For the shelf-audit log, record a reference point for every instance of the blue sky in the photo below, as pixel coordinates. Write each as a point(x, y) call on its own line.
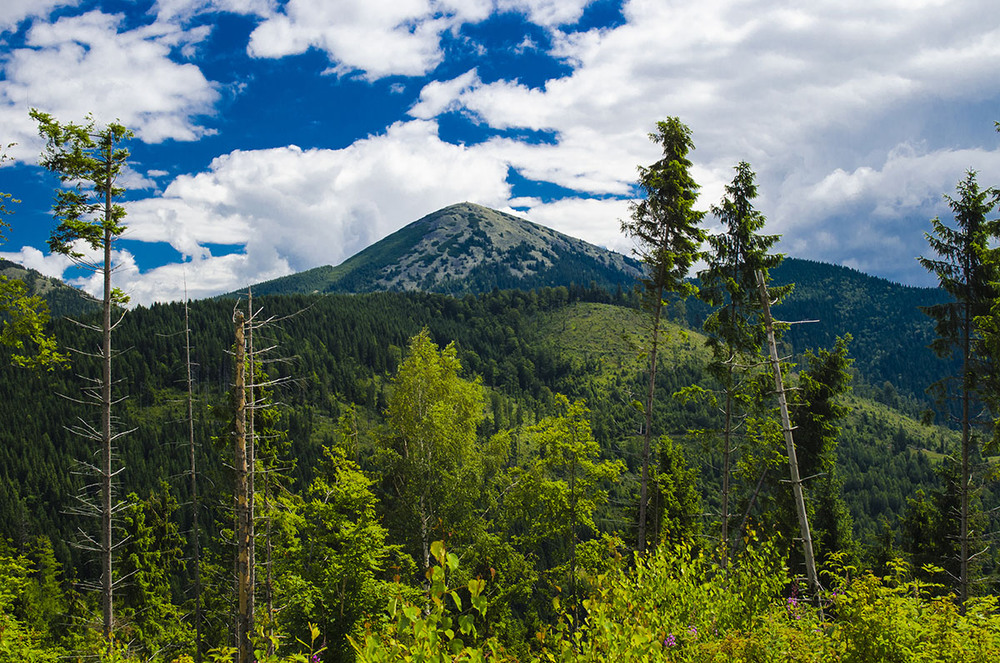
point(272, 137)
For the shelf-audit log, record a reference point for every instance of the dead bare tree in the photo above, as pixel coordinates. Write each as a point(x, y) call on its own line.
point(786, 425)
point(252, 397)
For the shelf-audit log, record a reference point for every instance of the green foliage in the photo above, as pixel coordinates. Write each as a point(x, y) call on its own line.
point(24, 316)
point(664, 222)
point(443, 630)
point(19, 642)
point(987, 329)
point(24, 319)
point(43, 602)
point(679, 513)
point(666, 228)
point(351, 347)
point(677, 604)
point(966, 268)
point(729, 283)
point(567, 477)
point(885, 314)
point(152, 556)
point(737, 258)
point(963, 265)
point(87, 161)
point(330, 565)
point(551, 501)
point(897, 619)
point(432, 420)
point(818, 410)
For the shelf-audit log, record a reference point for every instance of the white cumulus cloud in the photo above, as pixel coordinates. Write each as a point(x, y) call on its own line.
point(818, 97)
point(91, 64)
point(377, 38)
point(12, 12)
point(289, 209)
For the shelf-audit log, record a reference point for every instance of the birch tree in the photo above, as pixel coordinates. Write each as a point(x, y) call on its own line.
point(433, 415)
point(24, 316)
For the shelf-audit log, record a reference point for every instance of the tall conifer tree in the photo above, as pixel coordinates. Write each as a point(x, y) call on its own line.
point(966, 269)
point(734, 329)
point(88, 161)
point(666, 228)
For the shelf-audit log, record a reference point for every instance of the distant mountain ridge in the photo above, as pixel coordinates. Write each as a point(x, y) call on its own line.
point(62, 299)
point(890, 333)
point(466, 248)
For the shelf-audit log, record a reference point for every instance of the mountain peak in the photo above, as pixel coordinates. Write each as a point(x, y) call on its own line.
point(463, 248)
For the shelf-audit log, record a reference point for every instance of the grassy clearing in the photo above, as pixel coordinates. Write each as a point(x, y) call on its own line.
point(613, 336)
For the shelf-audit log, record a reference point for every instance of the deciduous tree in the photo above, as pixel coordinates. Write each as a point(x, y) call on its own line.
point(24, 315)
point(565, 483)
point(432, 420)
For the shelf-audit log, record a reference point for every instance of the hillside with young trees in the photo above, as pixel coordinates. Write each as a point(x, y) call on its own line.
point(343, 353)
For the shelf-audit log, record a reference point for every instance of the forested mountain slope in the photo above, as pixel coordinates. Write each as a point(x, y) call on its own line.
point(62, 299)
point(890, 333)
point(467, 248)
point(525, 347)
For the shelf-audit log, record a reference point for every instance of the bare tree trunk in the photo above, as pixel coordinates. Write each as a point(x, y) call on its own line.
point(425, 535)
point(251, 463)
point(572, 537)
point(244, 618)
point(727, 449)
point(963, 577)
point(268, 561)
point(107, 546)
point(647, 433)
point(193, 476)
point(786, 425)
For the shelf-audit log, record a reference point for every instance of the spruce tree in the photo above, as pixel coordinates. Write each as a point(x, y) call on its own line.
point(966, 268)
point(88, 161)
point(665, 226)
point(734, 329)
point(818, 412)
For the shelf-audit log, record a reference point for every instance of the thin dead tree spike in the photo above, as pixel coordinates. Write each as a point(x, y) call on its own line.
point(244, 588)
point(193, 478)
point(251, 451)
point(787, 428)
